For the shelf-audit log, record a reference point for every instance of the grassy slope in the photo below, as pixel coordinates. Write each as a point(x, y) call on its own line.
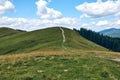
point(31, 41)
point(45, 39)
point(74, 40)
point(81, 64)
point(8, 32)
point(74, 66)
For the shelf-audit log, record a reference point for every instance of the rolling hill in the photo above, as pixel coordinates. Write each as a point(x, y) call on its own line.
point(5, 32)
point(113, 32)
point(14, 41)
point(54, 54)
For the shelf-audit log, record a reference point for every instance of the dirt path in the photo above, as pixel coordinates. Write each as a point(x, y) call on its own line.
point(115, 59)
point(63, 35)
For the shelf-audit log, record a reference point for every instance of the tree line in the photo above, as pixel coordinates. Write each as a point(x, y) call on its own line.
point(110, 43)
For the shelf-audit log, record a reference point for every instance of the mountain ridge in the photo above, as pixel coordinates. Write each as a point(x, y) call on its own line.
point(112, 32)
point(45, 39)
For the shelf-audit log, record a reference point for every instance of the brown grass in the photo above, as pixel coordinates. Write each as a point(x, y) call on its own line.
point(31, 54)
point(107, 53)
point(46, 53)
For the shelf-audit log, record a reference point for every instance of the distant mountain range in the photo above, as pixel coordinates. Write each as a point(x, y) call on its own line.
point(112, 32)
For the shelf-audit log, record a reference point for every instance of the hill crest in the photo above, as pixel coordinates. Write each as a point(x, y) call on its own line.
point(46, 40)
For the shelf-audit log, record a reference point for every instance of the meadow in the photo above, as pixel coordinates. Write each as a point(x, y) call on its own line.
point(74, 65)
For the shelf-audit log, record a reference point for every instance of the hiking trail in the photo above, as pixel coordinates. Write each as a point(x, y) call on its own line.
point(63, 35)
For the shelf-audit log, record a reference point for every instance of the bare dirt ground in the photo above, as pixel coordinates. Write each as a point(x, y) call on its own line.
point(63, 35)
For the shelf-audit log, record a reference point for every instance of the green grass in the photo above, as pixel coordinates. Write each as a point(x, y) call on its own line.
point(74, 40)
point(8, 32)
point(51, 59)
point(78, 66)
point(48, 39)
point(45, 39)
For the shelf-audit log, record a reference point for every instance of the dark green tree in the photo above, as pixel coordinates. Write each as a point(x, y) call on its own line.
point(105, 41)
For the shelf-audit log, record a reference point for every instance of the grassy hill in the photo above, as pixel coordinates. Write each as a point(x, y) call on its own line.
point(49, 58)
point(6, 32)
point(48, 39)
point(74, 40)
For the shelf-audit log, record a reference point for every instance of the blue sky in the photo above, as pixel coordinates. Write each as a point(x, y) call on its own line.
point(28, 9)
point(37, 14)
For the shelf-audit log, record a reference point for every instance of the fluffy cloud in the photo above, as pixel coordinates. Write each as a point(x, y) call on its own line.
point(5, 6)
point(68, 22)
point(48, 18)
point(45, 12)
point(33, 24)
point(99, 8)
point(102, 23)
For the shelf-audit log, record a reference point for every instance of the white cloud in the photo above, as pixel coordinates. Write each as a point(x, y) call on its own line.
point(99, 9)
point(33, 24)
point(102, 23)
point(5, 6)
point(68, 22)
point(118, 22)
point(45, 12)
point(117, 14)
point(50, 17)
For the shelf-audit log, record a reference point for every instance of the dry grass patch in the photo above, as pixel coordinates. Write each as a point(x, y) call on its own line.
point(33, 54)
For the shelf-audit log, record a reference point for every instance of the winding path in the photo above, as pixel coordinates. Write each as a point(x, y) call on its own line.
point(63, 35)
